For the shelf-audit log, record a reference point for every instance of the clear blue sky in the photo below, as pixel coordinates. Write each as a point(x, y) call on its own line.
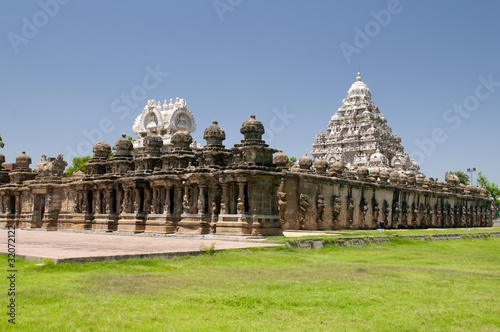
point(232, 58)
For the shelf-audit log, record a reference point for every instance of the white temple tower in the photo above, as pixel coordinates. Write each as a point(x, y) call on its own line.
point(358, 135)
point(164, 121)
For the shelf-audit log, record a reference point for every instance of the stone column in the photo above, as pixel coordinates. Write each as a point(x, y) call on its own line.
point(97, 201)
point(84, 201)
point(147, 200)
point(108, 201)
point(154, 203)
point(166, 205)
point(185, 200)
point(125, 207)
point(1, 204)
point(76, 201)
point(224, 200)
point(177, 200)
point(240, 206)
point(137, 200)
point(201, 199)
point(119, 201)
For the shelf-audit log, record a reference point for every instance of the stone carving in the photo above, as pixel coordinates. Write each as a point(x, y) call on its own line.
point(76, 202)
point(186, 208)
point(320, 206)
point(364, 209)
point(385, 212)
point(375, 210)
point(337, 207)
point(303, 206)
point(350, 211)
point(282, 206)
point(51, 166)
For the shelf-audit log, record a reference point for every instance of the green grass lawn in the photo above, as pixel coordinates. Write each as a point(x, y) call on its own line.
point(402, 286)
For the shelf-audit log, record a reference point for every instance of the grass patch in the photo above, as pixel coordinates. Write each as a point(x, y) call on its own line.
point(401, 286)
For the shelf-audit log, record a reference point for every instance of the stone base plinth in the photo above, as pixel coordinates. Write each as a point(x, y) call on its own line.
point(8, 219)
point(194, 224)
point(104, 222)
point(76, 221)
point(160, 224)
point(49, 222)
point(241, 224)
point(131, 222)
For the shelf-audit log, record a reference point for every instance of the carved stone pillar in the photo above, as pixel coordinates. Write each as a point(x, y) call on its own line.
point(137, 200)
point(108, 201)
point(154, 203)
point(185, 200)
point(97, 200)
point(240, 206)
point(225, 199)
point(166, 204)
point(76, 202)
point(147, 200)
point(178, 200)
point(119, 201)
point(201, 199)
point(125, 206)
point(84, 201)
point(48, 207)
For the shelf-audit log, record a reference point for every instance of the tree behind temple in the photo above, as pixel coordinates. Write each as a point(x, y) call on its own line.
point(462, 177)
point(78, 165)
point(492, 189)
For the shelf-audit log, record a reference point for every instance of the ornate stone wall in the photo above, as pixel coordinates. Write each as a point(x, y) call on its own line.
point(167, 184)
point(313, 201)
point(189, 191)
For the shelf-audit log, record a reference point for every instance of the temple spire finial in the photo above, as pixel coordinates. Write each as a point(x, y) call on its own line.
point(358, 78)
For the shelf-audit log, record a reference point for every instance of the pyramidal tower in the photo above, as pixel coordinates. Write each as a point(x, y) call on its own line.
point(358, 136)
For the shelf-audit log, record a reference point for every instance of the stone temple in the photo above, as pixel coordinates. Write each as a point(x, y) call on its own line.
point(166, 183)
point(358, 135)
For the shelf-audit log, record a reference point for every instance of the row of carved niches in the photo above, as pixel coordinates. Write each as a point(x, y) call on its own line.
point(377, 175)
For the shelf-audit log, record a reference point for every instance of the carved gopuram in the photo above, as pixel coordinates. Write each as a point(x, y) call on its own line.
point(165, 183)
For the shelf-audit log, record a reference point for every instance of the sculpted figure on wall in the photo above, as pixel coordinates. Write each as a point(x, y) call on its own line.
point(364, 209)
point(282, 206)
point(376, 210)
point(303, 206)
point(320, 206)
point(396, 214)
point(350, 211)
point(336, 208)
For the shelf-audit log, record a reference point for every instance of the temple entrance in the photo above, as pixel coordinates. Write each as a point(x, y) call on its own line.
point(38, 211)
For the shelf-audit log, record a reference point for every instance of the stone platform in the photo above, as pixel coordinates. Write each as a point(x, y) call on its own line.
point(81, 247)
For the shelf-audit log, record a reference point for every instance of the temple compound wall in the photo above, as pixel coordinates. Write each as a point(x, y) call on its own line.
point(237, 191)
point(165, 182)
point(337, 198)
